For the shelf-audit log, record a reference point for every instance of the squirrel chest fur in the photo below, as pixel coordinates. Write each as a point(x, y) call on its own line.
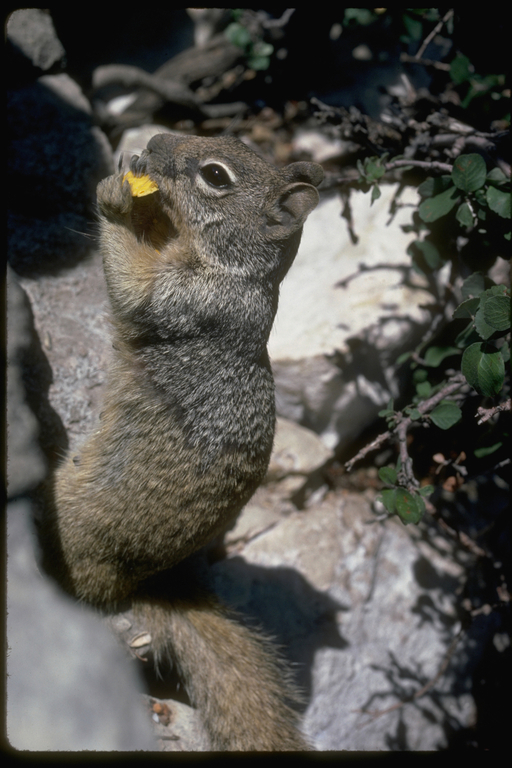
point(193, 269)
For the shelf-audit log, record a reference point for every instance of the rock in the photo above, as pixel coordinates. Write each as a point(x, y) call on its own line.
point(296, 451)
point(26, 466)
point(180, 729)
point(71, 319)
point(69, 684)
point(366, 611)
point(55, 155)
point(345, 314)
point(32, 34)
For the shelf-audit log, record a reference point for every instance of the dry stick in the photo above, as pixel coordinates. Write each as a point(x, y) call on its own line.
point(426, 62)
point(427, 164)
point(434, 32)
point(404, 422)
point(487, 413)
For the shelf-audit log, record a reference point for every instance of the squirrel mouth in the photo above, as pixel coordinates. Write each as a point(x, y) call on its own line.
point(150, 221)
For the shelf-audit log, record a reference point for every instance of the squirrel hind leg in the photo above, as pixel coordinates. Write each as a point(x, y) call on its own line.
point(233, 675)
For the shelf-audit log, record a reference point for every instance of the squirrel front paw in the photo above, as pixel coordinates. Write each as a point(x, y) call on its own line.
point(114, 197)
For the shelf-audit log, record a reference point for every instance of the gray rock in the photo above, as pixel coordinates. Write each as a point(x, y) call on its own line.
point(366, 611)
point(345, 314)
point(26, 466)
point(69, 684)
point(32, 32)
point(297, 451)
point(55, 155)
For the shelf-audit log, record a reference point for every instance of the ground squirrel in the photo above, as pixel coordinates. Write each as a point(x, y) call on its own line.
point(193, 259)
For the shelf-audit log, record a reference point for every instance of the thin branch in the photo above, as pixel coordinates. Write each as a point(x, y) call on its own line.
point(406, 474)
point(367, 449)
point(268, 23)
point(434, 32)
point(426, 62)
point(429, 165)
point(453, 384)
point(402, 425)
point(487, 413)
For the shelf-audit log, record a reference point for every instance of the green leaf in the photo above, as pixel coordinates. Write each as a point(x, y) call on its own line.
point(481, 200)
point(375, 169)
point(469, 172)
point(464, 215)
point(431, 186)
point(414, 414)
point(475, 284)
point(496, 290)
point(430, 253)
point(414, 27)
point(467, 336)
point(433, 208)
point(467, 310)
point(426, 490)
point(497, 176)
point(487, 450)
point(420, 374)
point(484, 330)
point(493, 314)
point(402, 358)
point(387, 475)
point(500, 202)
point(484, 369)
point(389, 500)
point(424, 388)
point(434, 356)
point(446, 414)
point(409, 507)
point(376, 193)
point(460, 69)
point(258, 63)
point(263, 49)
point(238, 35)
point(496, 311)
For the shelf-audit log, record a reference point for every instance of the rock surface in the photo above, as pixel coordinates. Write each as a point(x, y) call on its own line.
point(59, 694)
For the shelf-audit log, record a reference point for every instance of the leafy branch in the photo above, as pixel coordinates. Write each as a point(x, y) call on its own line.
point(462, 221)
point(405, 497)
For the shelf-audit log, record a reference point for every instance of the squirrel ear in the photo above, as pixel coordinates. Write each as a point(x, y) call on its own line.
point(311, 173)
point(291, 209)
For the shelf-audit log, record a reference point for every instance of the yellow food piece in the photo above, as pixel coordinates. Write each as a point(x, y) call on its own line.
point(140, 185)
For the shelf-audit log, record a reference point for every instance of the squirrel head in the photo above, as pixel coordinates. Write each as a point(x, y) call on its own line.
point(227, 207)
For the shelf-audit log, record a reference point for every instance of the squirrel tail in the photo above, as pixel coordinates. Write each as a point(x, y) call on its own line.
point(232, 675)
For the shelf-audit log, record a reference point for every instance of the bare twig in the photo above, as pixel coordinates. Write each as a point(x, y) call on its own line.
point(406, 475)
point(367, 449)
point(487, 413)
point(448, 15)
point(426, 62)
point(268, 23)
point(132, 77)
point(402, 425)
point(429, 165)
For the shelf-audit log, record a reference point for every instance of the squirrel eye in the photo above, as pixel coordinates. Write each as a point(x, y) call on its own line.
point(215, 175)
